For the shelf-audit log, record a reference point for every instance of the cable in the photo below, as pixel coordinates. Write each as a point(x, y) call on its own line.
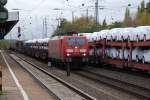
point(34, 8)
point(38, 5)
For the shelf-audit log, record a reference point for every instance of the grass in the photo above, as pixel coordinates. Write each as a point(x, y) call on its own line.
point(4, 44)
point(2, 93)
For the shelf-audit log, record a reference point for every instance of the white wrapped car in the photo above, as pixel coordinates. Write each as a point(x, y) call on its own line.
point(137, 54)
point(120, 54)
point(146, 36)
point(123, 54)
point(127, 33)
point(126, 54)
point(109, 36)
point(93, 37)
point(146, 56)
point(103, 34)
point(87, 35)
point(139, 34)
point(96, 35)
point(112, 53)
point(115, 33)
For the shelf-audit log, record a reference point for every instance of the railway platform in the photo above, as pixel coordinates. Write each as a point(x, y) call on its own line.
point(17, 84)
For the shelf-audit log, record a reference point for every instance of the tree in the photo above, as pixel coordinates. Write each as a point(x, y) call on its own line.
point(127, 20)
point(142, 9)
point(104, 25)
point(79, 25)
point(116, 25)
point(148, 7)
point(143, 15)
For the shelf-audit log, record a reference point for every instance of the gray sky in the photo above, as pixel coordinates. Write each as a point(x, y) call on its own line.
point(32, 13)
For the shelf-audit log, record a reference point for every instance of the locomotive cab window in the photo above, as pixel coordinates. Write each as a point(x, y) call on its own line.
point(76, 41)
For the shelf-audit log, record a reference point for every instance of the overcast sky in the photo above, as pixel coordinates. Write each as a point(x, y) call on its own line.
point(32, 13)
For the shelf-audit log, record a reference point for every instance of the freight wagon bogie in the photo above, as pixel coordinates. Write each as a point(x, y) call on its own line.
point(37, 54)
point(43, 55)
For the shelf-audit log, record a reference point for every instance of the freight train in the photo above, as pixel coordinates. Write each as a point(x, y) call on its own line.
point(56, 50)
point(121, 47)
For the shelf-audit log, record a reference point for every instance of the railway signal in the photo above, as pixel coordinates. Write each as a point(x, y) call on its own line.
point(19, 32)
point(68, 69)
point(3, 11)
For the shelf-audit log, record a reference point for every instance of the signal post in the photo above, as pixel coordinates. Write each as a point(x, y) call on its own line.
point(3, 11)
point(0, 78)
point(3, 18)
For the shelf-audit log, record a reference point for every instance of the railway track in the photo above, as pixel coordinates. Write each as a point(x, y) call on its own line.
point(90, 76)
point(135, 89)
point(60, 89)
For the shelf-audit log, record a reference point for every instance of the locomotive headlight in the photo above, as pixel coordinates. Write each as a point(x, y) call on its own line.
point(76, 47)
point(68, 54)
point(83, 50)
point(84, 54)
point(69, 50)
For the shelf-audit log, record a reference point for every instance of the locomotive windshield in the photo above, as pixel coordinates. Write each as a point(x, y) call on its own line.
point(76, 41)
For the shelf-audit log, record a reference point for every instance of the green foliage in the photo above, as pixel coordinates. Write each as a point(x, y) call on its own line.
point(4, 44)
point(127, 19)
point(85, 25)
point(88, 25)
point(82, 24)
point(104, 25)
point(148, 7)
point(142, 9)
point(143, 14)
point(115, 25)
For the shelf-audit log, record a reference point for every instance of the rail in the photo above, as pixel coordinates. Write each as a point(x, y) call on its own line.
point(78, 91)
point(137, 90)
point(0, 78)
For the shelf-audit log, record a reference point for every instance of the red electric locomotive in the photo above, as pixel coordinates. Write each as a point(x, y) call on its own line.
point(68, 50)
